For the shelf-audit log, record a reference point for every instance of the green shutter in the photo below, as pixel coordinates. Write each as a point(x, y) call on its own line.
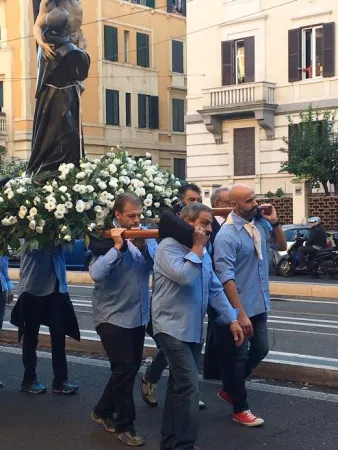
point(179, 168)
point(112, 107)
point(177, 57)
point(142, 50)
point(142, 107)
point(154, 113)
point(150, 3)
point(128, 109)
point(1, 94)
point(178, 115)
point(110, 43)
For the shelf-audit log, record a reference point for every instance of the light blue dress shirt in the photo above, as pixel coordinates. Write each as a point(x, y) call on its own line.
point(41, 270)
point(236, 259)
point(121, 292)
point(5, 282)
point(183, 286)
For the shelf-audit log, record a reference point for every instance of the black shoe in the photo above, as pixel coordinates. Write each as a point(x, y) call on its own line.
point(107, 422)
point(64, 388)
point(33, 388)
point(1, 385)
point(201, 405)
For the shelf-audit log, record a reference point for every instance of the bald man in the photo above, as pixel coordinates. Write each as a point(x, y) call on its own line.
point(241, 258)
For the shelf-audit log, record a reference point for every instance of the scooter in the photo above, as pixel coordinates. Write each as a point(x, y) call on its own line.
point(323, 262)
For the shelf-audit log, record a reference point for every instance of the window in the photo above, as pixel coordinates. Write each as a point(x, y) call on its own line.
point(111, 49)
point(176, 6)
point(177, 56)
point(112, 107)
point(244, 151)
point(150, 3)
point(126, 46)
point(1, 95)
point(312, 52)
point(238, 61)
point(178, 115)
point(128, 109)
point(142, 49)
point(148, 113)
point(179, 168)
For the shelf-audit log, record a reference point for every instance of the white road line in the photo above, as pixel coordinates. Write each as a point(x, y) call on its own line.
point(303, 319)
point(297, 300)
point(298, 355)
point(302, 324)
point(303, 331)
point(254, 386)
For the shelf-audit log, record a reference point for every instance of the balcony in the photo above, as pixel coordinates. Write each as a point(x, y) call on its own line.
point(239, 101)
point(3, 125)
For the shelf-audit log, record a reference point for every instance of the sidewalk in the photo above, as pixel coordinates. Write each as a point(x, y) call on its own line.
point(295, 419)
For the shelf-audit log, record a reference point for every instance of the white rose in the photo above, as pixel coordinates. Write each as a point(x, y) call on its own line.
point(62, 177)
point(82, 189)
point(157, 204)
point(148, 202)
point(42, 223)
point(22, 214)
point(80, 206)
point(150, 196)
point(10, 195)
point(39, 230)
point(151, 185)
point(1, 199)
point(32, 225)
point(63, 189)
point(59, 215)
point(61, 208)
point(76, 187)
point(113, 183)
point(177, 183)
point(139, 176)
point(49, 206)
point(37, 200)
point(147, 163)
point(70, 166)
point(117, 161)
point(124, 172)
point(6, 222)
point(102, 185)
point(26, 180)
point(98, 208)
point(69, 205)
point(80, 176)
point(148, 155)
point(89, 189)
point(64, 229)
point(48, 188)
point(149, 213)
point(21, 190)
point(88, 205)
point(33, 212)
point(121, 191)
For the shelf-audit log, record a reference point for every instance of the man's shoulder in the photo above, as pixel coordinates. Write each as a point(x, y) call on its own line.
point(170, 242)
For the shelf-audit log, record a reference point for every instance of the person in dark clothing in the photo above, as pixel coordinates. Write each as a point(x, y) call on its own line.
point(317, 240)
point(187, 194)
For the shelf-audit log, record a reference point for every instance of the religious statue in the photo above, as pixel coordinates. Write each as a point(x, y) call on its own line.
point(63, 65)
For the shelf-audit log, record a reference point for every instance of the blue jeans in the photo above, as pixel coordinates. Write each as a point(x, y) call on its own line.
point(156, 368)
point(237, 363)
point(179, 423)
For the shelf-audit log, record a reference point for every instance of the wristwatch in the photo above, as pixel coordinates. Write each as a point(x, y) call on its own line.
point(276, 224)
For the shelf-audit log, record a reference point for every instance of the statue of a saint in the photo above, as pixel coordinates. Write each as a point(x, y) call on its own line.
point(63, 65)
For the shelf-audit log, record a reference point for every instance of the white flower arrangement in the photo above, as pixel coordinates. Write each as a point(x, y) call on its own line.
point(80, 199)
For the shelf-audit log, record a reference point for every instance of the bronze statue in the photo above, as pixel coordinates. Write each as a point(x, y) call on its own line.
point(63, 65)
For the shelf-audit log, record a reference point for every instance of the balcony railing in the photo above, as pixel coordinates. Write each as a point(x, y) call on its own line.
point(3, 126)
point(241, 94)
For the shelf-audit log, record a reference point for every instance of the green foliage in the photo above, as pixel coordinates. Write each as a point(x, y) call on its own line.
point(269, 194)
point(279, 193)
point(11, 167)
point(312, 148)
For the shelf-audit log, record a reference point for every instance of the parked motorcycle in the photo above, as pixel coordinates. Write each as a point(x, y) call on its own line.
point(323, 262)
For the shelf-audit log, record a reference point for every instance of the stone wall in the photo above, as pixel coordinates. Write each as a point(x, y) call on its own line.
point(327, 209)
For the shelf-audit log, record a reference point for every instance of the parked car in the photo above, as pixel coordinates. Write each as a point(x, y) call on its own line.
point(77, 258)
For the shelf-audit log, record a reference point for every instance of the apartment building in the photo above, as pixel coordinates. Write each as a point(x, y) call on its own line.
point(136, 90)
point(257, 61)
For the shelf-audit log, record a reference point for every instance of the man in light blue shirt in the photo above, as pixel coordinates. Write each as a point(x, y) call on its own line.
point(184, 283)
point(120, 312)
point(6, 288)
point(44, 300)
point(241, 258)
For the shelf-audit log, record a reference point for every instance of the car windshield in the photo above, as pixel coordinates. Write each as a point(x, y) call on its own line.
point(291, 234)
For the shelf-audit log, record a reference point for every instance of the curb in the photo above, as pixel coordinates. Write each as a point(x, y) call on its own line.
point(317, 376)
point(276, 288)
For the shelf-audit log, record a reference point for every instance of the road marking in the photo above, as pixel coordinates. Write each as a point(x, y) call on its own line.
point(304, 324)
point(254, 386)
point(303, 319)
point(297, 300)
point(302, 313)
point(303, 331)
point(298, 355)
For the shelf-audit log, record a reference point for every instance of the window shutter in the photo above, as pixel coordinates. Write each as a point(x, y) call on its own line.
point(170, 4)
point(112, 107)
point(179, 168)
point(142, 50)
point(110, 43)
point(128, 109)
point(177, 57)
point(1, 94)
point(178, 115)
point(227, 63)
point(329, 50)
point(154, 113)
point(142, 106)
point(249, 59)
point(244, 151)
point(116, 108)
point(150, 3)
point(295, 55)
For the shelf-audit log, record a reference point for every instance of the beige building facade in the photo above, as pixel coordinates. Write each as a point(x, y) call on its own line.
point(136, 90)
point(255, 61)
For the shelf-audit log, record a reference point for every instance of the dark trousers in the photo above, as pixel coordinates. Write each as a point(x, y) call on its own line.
point(179, 423)
point(3, 302)
point(306, 250)
point(237, 363)
point(37, 310)
point(124, 349)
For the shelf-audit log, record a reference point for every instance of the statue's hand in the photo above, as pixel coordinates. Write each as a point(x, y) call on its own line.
point(47, 50)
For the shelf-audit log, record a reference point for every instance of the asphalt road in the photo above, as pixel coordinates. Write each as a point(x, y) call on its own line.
point(296, 419)
point(296, 325)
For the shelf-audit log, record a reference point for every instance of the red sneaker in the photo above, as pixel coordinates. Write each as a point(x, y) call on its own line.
point(247, 419)
point(225, 397)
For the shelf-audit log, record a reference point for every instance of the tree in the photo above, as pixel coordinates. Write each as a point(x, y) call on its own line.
point(312, 148)
point(10, 167)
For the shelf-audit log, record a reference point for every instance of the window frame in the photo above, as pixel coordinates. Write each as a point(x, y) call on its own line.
point(313, 28)
point(172, 114)
point(126, 42)
point(236, 61)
